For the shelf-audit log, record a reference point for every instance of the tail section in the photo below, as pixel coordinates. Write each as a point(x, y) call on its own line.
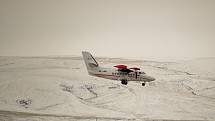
point(90, 62)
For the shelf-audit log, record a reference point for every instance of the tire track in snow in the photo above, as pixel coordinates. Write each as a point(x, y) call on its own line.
point(43, 115)
point(103, 105)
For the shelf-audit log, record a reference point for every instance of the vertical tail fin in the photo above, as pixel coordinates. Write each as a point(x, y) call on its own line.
point(90, 62)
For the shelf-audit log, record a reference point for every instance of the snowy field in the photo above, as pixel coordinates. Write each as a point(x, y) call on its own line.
point(59, 89)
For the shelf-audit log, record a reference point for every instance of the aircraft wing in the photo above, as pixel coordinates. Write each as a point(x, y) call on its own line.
point(123, 68)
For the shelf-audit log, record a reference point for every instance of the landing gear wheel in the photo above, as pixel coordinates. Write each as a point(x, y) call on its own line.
point(143, 84)
point(124, 82)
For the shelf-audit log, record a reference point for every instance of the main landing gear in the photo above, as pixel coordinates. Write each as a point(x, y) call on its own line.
point(125, 82)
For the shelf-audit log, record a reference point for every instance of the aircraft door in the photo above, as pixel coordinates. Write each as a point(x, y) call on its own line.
point(135, 74)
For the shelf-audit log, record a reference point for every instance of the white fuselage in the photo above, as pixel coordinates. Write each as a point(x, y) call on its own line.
point(114, 74)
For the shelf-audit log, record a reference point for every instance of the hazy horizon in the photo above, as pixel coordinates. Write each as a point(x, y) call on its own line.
point(138, 29)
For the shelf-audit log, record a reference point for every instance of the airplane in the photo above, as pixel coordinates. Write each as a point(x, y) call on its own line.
point(119, 72)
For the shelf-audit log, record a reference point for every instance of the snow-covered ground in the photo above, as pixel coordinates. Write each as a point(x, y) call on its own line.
point(59, 88)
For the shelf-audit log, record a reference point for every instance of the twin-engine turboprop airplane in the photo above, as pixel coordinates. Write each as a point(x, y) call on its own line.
point(120, 72)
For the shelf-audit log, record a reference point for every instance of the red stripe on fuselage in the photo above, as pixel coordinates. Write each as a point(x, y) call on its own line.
point(113, 76)
point(103, 75)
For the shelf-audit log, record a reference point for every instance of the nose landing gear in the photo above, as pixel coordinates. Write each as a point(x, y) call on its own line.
point(143, 84)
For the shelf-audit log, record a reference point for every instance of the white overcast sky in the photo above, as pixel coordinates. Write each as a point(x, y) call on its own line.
point(113, 28)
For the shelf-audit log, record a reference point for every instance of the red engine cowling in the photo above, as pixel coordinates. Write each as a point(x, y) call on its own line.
point(121, 66)
point(135, 68)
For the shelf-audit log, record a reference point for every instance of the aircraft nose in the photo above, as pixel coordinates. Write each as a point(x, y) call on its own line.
point(151, 78)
